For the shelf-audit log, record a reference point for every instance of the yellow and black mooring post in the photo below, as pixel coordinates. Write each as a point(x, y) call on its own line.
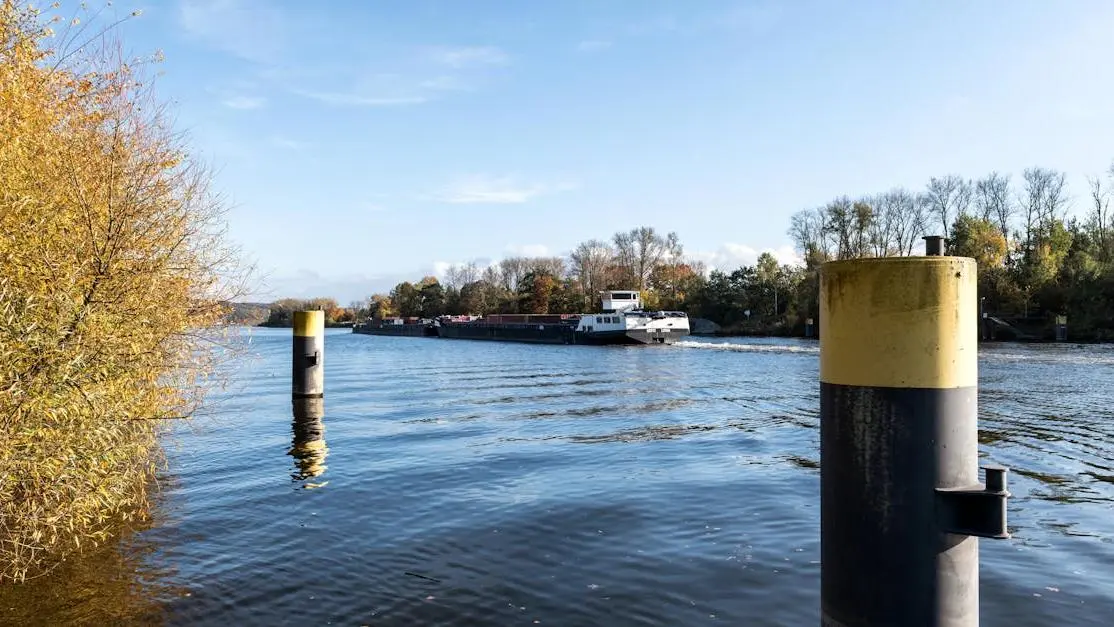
point(901, 500)
point(309, 354)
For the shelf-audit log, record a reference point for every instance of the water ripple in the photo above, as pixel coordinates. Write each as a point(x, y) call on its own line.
point(463, 483)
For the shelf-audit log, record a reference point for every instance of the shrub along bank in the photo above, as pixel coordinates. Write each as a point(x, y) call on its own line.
point(113, 268)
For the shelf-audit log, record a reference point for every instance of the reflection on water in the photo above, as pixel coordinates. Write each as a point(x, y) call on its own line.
point(121, 582)
point(477, 483)
point(308, 448)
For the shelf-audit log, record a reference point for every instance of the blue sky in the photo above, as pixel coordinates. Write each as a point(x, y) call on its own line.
point(362, 143)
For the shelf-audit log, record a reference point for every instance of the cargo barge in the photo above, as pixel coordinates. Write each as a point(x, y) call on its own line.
point(403, 327)
point(622, 321)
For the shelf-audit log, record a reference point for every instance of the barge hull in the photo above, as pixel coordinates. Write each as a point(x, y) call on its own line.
point(398, 330)
point(531, 333)
point(556, 334)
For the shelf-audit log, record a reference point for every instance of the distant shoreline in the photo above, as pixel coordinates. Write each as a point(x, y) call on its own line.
point(766, 333)
point(328, 325)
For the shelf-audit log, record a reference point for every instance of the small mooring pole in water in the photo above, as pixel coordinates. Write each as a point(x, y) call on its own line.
point(901, 506)
point(1061, 328)
point(982, 319)
point(309, 354)
point(808, 327)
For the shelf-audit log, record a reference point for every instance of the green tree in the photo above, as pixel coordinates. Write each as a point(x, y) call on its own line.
point(406, 300)
point(770, 280)
point(431, 298)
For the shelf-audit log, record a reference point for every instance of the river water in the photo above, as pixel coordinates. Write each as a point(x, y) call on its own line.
point(474, 483)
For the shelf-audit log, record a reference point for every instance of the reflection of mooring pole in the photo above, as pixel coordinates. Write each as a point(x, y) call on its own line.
point(309, 354)
point(308, 449)
point(901, 505)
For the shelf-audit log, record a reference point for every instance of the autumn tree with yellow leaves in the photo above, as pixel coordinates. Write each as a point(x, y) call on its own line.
point(113, 271)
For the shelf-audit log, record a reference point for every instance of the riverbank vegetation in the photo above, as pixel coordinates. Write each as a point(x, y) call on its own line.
point(114, 266)
point(761, 298)
point(281, 312)
point(1041, 253)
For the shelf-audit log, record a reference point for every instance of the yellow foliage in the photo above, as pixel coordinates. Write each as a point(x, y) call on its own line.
point(113, 268)
point(980, 240)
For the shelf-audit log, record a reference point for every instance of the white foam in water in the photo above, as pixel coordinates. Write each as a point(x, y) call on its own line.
point(748, 348)
point(1044, 354)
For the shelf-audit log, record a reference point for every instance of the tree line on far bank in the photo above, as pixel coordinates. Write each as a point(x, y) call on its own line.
point(281, 312)
point(1037, 259)
point(759, 298)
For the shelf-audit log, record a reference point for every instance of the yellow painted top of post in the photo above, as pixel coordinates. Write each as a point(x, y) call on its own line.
point(309, 323)
point(900, 322)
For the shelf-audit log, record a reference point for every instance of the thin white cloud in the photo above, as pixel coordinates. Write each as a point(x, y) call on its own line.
point(266, 34)
point(342, 99)
point(470, 56)
point(593, 45)
point(479, 190)
point(445, 83)
point(441, 269)
point(731, 256)
point(279, 141)
point(528, 250)
point(384, 89)
point(250, 29)
point(655, 25)
point(244, 103)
